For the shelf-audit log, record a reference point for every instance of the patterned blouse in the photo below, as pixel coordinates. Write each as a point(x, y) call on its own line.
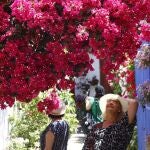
point(61, 131)
point(114, 137)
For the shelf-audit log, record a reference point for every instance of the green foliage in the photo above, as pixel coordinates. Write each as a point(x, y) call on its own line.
point(131, 66)
point(116, 88)
point(70, 115)
point(133, 143)
point(26, 122)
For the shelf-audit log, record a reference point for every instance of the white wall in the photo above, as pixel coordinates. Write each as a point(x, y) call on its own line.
point(89, 76)
point(3, 129)
point(96, 72)
point(96, 66)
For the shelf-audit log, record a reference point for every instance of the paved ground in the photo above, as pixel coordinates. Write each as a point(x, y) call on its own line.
point(76, 142)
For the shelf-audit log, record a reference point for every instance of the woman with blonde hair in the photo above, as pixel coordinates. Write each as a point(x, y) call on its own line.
point(119, 119)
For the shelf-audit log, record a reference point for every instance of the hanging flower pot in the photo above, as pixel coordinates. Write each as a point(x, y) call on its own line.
point(143, 57)
point(144, 93)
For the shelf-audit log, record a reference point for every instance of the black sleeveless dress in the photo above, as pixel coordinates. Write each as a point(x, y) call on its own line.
point(60, 129)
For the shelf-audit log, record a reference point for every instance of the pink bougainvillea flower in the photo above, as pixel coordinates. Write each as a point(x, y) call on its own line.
point(47, 43)
point(50, 103)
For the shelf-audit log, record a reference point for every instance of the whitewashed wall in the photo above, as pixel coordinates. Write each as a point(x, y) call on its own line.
point(4, 129)
point(89, 76)
point(96, 72)
point(96, 66)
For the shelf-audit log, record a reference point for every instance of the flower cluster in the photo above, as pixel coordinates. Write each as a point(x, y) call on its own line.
point(143, 56)
point(46, 43)
point(122, 81)
point(145, 34)
point(4, 17)
point(144, 93)
point(51, 102)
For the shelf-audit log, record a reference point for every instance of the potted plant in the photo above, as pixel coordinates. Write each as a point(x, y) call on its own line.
point(144, 93)
point(143, 56)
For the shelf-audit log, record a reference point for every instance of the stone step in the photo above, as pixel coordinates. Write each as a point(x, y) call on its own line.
point(76, 142)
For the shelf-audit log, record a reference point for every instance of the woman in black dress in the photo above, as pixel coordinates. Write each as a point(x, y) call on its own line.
point(115, 132)
point(55, 136)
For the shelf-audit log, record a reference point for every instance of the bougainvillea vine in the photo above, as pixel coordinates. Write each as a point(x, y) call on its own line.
point(46, 43)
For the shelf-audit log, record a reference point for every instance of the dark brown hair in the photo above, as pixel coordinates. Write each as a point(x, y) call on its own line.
point(55, 116)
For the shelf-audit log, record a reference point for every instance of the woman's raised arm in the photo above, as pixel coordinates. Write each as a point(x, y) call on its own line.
point(132, 109)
